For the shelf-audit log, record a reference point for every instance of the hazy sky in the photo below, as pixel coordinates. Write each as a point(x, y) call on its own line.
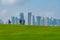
point(47, 8)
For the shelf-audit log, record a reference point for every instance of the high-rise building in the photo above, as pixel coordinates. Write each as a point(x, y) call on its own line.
point(44, 21)
point(38, 20)
point(29, 18)
point(17, 20)
point(54, 22)
point(13, 20)
point(22, 18)
point(50, 21)
point(58, 22)
point(33, 20)
point(41, 21)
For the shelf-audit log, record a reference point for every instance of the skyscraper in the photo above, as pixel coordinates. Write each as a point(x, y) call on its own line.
point(29, 18)
point(51, 21)
point(13, 20)
point(41, 21)
point(33, 20)
point(38, 20)
point(44, 21)
point(48, 21)
point(17, 20)
point(22, 18)
point(58, 22)
point(54, 22)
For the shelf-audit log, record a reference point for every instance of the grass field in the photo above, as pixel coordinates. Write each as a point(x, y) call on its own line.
point(25, 32)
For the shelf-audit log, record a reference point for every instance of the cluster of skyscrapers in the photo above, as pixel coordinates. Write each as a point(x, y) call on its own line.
point(42, 21)
point(33, 20)
point(16, 20)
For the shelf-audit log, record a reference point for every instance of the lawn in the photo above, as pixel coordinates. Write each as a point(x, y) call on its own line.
point(28, 32)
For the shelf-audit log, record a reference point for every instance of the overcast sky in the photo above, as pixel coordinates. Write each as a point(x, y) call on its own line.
point(46, 8)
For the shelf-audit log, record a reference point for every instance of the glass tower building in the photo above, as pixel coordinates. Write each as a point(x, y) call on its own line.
point(48, 21)
point(38, 20)
point(22, 18)
point(29, 18)
point(13, 20)
point(33, 20)
point(17, 20)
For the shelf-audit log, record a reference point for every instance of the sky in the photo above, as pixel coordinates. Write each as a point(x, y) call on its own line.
point(45, 8)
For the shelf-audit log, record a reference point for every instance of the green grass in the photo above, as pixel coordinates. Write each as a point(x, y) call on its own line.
point(28, 32)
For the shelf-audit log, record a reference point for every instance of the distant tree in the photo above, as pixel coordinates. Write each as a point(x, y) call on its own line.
point(23, 21)
point(20, 21)
point(9, 22)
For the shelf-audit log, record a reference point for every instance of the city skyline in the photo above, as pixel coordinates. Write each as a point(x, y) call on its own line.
point(32, 20)
point(46, 8)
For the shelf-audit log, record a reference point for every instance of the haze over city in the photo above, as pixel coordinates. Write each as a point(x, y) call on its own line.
point(46, 8)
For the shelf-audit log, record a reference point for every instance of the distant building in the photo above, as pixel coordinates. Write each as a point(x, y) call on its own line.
point(51, 21)
point(33, 20)
point(55, 22)
point(29, 18)
point(58, 22)
point(48, 21)
point(22, 16)
point(41, 22)
point(13, 20)
point(16, 20)
point(38, 20)
point(22, 20)
point(44, 21)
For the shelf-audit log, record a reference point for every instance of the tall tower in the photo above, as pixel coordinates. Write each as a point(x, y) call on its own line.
point(43, 21)
point(13, 19)
point(54, 22)
point(33, 20)
point(17, 20)
point(29, 18)
point(22, 20)
point(38, 20)
point(48, 21)
point(51, 21)
point(21, 16)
